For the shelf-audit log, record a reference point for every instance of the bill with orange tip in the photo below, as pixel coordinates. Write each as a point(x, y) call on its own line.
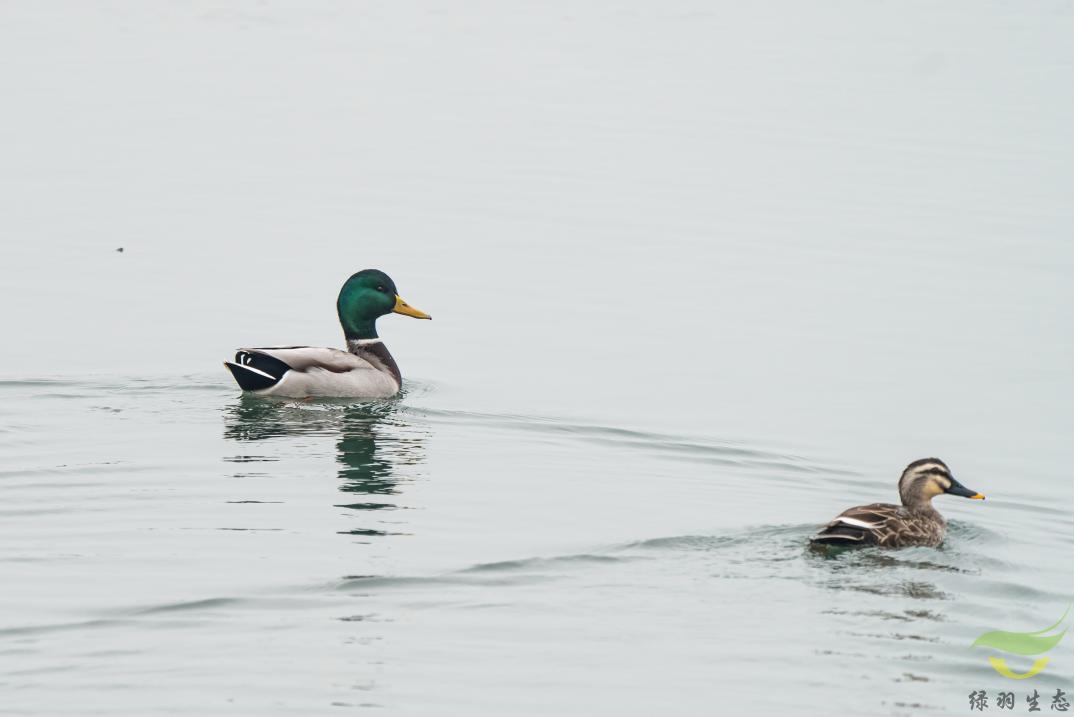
point(957, 488)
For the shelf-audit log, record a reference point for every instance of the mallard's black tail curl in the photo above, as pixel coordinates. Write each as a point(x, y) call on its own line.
point(256, 371)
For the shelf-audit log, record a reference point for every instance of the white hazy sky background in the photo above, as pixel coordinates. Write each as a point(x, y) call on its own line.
point(842, 225)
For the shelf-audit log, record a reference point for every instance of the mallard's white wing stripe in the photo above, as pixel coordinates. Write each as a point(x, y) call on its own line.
point(855, 522)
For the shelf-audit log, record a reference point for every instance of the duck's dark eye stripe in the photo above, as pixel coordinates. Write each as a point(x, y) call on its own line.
point(935, 472)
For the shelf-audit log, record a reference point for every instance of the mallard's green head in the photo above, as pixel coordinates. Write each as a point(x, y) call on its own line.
point(367, 296)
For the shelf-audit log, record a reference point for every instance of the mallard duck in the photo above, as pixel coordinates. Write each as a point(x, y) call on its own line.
point(915, 522)
point(364, 370)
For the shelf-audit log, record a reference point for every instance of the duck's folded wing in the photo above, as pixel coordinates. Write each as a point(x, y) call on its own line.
point(303, 358)
point(861, 525)
point(263, 369)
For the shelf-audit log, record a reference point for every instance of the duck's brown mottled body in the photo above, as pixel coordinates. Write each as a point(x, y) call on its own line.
point(886, 525)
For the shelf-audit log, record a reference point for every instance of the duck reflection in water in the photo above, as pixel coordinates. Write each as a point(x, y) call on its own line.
point(378, 446)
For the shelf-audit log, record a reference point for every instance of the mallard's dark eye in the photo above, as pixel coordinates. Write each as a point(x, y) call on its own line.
point(380, 288)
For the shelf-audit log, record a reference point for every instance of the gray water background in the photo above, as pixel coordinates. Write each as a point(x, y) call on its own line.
point(702, 275)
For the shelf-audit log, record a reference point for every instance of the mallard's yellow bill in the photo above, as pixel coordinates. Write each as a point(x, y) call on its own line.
point(401, 307)
point(977, 496)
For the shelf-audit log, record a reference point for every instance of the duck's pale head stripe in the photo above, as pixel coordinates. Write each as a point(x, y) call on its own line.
point(923, 479)
point(926, 465)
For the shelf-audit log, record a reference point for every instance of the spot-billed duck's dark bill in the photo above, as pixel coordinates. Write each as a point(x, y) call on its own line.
point(959, 489)
point(401, 307)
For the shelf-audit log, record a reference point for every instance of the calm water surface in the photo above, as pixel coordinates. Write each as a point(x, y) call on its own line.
point(702, 276)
